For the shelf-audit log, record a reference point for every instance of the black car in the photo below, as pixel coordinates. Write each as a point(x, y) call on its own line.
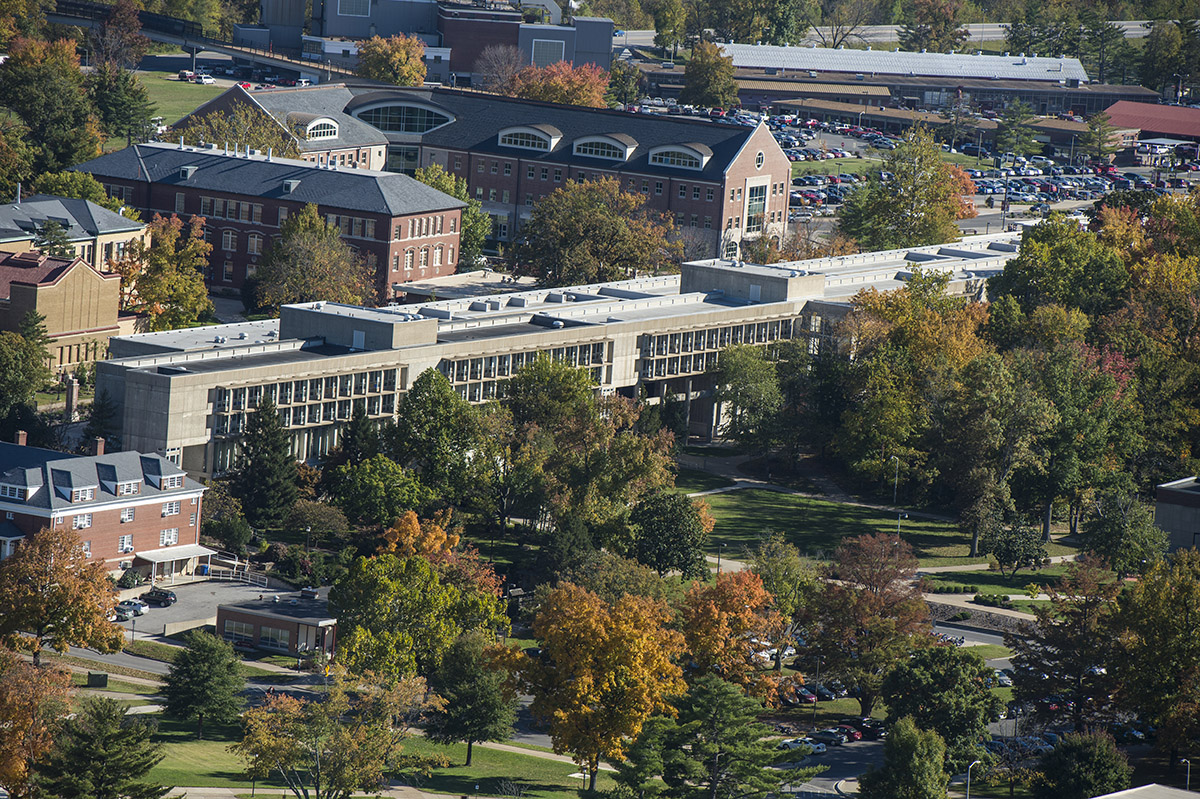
point(160, 596)
point(823, 693)
point(871, 729)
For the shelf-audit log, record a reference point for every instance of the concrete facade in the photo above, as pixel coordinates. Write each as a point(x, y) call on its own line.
point(1177, 512)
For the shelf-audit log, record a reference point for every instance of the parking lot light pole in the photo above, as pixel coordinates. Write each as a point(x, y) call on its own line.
point(973, 765)
point(1188, 784)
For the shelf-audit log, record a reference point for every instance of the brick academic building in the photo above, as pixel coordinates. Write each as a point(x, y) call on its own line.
point(402, 228)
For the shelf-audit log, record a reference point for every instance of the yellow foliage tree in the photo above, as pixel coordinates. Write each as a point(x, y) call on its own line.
point(607, 669)
point(411, 536)
point(397, 59)
point(32, 700)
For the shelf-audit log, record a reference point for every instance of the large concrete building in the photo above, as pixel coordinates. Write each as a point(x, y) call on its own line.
point(721, 182)
point(1177, 512)
point(187, 394)
point(403, 229)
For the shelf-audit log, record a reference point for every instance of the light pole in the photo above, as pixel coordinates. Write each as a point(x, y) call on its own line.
point(816, 680)
point(1188, 784)
point(896, 481)
point(973, 765)
point(720, 549)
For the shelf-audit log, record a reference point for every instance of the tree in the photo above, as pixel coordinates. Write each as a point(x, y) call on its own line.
point(747, 380)
point(785, 575)
point(398, 59)
point(435, 435)
point(645, 758)
point(1082, 766)
point(918, 205)
point(232, 532)
point(204, 682)
point(562, 82)
point(1014, 133)
point(53, 597)
point(118, 42)
point(168, 274)
point(101, 753)
point(1015, 546)
point(1163, 55)
point(474, 225)
point(325, 524)
point(497, 67)
point(41, 82)
point(16, 156)
point(944, 689)
point(708, 77)
point(240, 124)
point(80, 186)
point(102, 422)
point(32, 701)
point(266, 481)
point(1103, 44)
point(934, 26)
point(868, 619)
point(1099, 140)
point(670, 21)
point(671, 533)
point(479, 705)
point(912, 766)
point(342, 744)
point(377, 491)
point(624, 83)
point(51, 238)
point(717, 747)
point(124, 107)
point(429, 538)
point(399, 616)
point(592, 232)
point(1121, 530)
point(592, 712)
point(23, 371)
point(312, 262)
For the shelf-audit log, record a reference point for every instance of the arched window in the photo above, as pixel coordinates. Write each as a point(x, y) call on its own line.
point(424, 257)
point(403, 118)
point(408, 258)
point(254, 244)
point(599, 149)
point(228, 240)
point(525, 139)
point(437, 255)
point(677, 158)
point(324, 129)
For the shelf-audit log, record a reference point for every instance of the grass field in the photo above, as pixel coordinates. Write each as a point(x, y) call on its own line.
point(816, 527)
point(175, 98)
point(993, 582)
point(689, 481)
point(538, 777)
point(166, 653)
point(117, 686)
point(990, 651)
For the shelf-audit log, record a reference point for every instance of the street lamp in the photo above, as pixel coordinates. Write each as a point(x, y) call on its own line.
point(816, 679)
point(973, 765)
point(896, 481)
point(1188, 763)
point(720, 549)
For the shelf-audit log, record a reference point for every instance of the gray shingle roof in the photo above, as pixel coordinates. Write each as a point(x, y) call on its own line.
point(318, 101)
point(349, 189)
point(887, 62)
point(82, 219)
point(50, 476)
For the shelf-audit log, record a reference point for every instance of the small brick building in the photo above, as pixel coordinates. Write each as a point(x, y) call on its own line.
point(295, 624)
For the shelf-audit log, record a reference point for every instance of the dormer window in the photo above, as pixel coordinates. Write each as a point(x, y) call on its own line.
point(677, 158)
point(531, 137)
point(12, 492)
point(129, 488)
point(83, 494)
point(321, 129)
point(174, 481)
point(613, 146)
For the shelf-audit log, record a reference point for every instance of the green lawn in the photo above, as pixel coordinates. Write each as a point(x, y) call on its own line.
point(993, 582)
point(689, 481)
point(175, 98)
point(990, 651)
point(191, 763)
point(117, 686)
point(816, 527)
point(166, 653)
point(538, 777)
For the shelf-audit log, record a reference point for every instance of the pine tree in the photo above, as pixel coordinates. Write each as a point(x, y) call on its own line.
point(267, 484)
point(100, 753)
point(102, 422)
point(205, 682)
point(478, 705)
point(360, 438)
point(51, 239)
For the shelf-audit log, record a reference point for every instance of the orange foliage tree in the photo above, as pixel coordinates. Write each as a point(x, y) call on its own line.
point(730, 626)
point(563, 83)
point(32, 700)
point(607, 668)
point(412, 536)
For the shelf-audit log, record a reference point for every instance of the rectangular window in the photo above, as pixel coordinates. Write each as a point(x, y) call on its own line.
point(168, 538)
point(528, 198)
point(732, 193)
point(491, 195)
point(457, 164)
point(274, 638)
point(206, 206)
point(239, 632)
point(126, 515)
point(282, 216)
point(83, 495)
point(227, 271)
point(82, 521)
point(545, 173)
point(507, 168)
point(125, 543)
point(479, 192)
point(354, 8)
point(192, 520)
point(87, 548)
point(548, 51)
point(170, 508)
point(558, 176)
point(228, 240)
point(658, 187)
point(529, 172)
point(126, 489)
point(695, 192)
point(503, 199)
point(179, 202)
point(682, 191)
point(256, 214)
point(479, 167)
point(756, 206)
point(708, 194)
point(495, 167)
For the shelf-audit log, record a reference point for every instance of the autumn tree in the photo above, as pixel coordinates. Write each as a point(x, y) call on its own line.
point(16, 156)
point(118, 43)
point(167, 275)
point(624, 83)
point(562, 82)
point(587, 642)
point(1069, 650)
point(204, 682)
point(346, 742)
point(242, 124)
point(32, 701)
point(399, 616)
point(477, 703)
point(917, 205)
point(869, 618)
point(839, 22)
point(728, 627)
point(398, 59)
point(1014, 132)
point(592, 232)
point(708, 77)
point(474, 225)
point(497, 67)
point(934, 26)
point(53, 597)
point(100, 752)
point(312, 262)
point(912, 766)
point(428, 538)
point(41, 82)
point(671, 531)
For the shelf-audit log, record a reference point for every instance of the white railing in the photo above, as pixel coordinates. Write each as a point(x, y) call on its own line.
point(239, 575)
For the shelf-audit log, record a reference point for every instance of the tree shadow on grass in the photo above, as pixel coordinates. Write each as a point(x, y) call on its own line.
point(465, 785)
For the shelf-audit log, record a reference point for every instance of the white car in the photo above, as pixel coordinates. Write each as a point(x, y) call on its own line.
point(206, 79)
point(817, 747)
point(135, 607)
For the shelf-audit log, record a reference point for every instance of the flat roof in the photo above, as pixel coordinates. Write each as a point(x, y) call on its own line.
point(467, 284)
point(293, 608)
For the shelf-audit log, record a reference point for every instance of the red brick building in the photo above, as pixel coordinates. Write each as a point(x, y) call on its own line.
point(128, 509)
point(402, 228)
point(294, 624)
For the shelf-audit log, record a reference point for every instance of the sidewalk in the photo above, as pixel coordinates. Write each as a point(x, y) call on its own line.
point(981, 567)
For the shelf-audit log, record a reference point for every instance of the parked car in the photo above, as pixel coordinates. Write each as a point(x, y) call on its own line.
point(817, 747)
point(160, 596)
point(823, 693)
point(851, 733)
point(791, 743)
point(119, 614)
point(871, 729)
point(135, 607)
point(1003, 680)
point(828, 737)
point(206, 79)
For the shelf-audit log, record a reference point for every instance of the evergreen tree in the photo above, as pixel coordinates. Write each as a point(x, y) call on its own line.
point(1014, 134)
point(1097, 141)
point(102, 422)
point(101, 753)
point(912, 766)
point(51, 239)
point(435, 434)
point(1082, 766)
point(122, 103)
point(358, 441)
point(479, 705)
point(204, 683)
point(267, 484)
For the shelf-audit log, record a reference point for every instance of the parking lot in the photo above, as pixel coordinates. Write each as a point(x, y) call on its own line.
point(197, 601)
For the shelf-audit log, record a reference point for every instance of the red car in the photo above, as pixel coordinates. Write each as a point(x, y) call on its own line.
point(849, 732)
point(245, 85)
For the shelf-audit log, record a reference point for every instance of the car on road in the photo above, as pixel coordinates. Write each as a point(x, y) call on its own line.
point(828, 737)
point(160, 596)
point(134, 607)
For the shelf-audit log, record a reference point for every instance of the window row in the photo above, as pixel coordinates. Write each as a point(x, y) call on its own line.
point(494, 389)
point(218, 208)
point(423, 257)
point(12, 492)
point(255, 242)
point(249, 397)
point(715, 339)
point(167, 538)
point(316, 413)
point(353, 226)
point(493, 366)
point(421, 226)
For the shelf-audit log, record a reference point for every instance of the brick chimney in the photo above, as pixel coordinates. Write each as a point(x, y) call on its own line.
point(20, 438)
point(96, 446)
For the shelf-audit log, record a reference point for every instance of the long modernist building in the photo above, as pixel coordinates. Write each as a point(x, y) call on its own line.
point(188, 393)
point(401, 228)
point(721, 182)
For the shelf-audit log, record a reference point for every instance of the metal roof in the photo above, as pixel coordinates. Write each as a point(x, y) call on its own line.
point(888, 62)
point(1168, 120)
